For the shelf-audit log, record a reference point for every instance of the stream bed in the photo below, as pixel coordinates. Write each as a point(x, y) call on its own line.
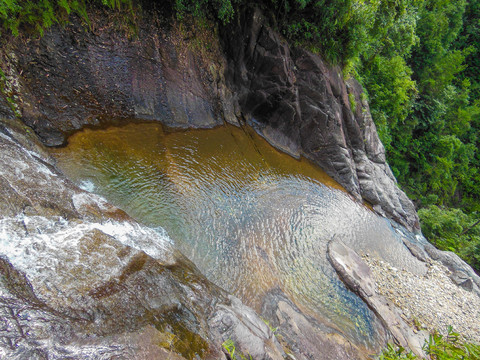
point(252, 219)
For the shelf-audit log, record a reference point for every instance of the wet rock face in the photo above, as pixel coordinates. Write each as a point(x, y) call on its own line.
point(72, 78)
point(304, 335)
point(356, 274)
point(80, 278)
point(461, 273)
point(302, 106)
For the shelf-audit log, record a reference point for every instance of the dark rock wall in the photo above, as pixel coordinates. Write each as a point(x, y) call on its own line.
point(72, 78)
point(302, 106)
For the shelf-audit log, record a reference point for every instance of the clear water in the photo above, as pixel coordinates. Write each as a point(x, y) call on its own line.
point(252, 219)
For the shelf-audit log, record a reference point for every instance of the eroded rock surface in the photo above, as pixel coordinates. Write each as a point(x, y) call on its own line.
point(302, 106)
point(304, 335)
point(81, 279)
point(461, 273)
point(72, 78)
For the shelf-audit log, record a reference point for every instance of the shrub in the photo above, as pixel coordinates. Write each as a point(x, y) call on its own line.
point(453, 230)
point(37, 16)
point(437, 347)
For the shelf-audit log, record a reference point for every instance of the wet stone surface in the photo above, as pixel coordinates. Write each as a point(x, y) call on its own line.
point(81, 279)
point(188, 78)
point(251, 218)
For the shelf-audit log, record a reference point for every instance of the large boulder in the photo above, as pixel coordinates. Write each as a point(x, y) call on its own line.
point(303, 106)
point(356, 274)
point(308, 337)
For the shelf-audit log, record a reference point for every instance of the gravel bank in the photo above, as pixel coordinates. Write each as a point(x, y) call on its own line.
point(432, 300)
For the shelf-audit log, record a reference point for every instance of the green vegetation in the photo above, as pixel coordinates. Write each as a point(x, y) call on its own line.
point(454, 230)
point(222, 9)
point(6, 93)
point(229, 346)
point(424, 100)
point(351, 100)
point(438, 347)
point(341, 29)
point(418, 61)
point(37, 16)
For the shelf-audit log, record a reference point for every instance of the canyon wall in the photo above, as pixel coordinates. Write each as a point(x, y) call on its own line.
point(199, 77)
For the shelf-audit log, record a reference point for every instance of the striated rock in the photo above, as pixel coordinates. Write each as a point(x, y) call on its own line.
point(72, 78)
point(301, 105)
point(303, 335)
point(416, 250)
point(462, 274)
point(242, 325)
point(81, 279)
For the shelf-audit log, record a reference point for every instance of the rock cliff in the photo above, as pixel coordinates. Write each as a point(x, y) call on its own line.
point(80, 278)
point(303, 106)
point(71, 78)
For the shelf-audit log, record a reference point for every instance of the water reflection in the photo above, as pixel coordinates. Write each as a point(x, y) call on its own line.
point(251, 218)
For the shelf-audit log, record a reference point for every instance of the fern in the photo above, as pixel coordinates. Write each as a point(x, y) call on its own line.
point(229, 346)
point(437, 347)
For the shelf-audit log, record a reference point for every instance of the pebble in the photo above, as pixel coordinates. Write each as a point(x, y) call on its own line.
point(432, 300)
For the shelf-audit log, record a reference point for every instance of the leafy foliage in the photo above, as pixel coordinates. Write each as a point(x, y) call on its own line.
point(438, 347)
point(223, 9)
point(391, 93)
point(421, 101)
point(396, 353)
point(340, 29)
point(453, 230)
point(37, 16)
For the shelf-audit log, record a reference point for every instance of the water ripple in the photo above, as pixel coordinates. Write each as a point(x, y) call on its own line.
point(252, 219)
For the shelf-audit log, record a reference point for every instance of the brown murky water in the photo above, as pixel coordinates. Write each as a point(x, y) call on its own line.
point(250, 217)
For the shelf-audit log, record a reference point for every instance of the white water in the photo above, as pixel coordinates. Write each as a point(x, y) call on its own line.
point(65, 255)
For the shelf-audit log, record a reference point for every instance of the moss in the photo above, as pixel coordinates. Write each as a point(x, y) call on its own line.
point(179, 338)
point(8, 94)
point(353, 103)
